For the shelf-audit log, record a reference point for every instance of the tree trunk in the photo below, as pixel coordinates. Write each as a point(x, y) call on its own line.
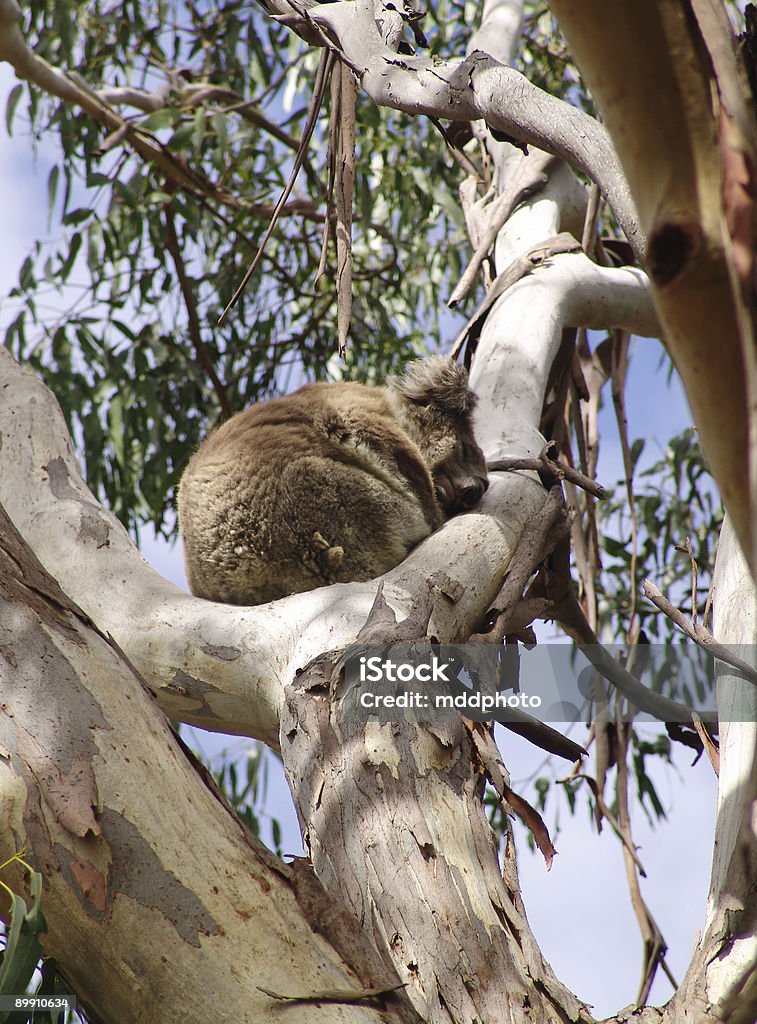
point(139, 853)
point(133, 841)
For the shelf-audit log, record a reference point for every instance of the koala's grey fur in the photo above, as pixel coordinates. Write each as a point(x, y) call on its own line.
point(336, 482)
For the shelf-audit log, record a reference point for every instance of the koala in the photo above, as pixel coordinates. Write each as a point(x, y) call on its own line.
point(333, 483)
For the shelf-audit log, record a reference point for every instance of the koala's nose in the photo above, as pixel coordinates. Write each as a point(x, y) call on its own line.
point(472, 493)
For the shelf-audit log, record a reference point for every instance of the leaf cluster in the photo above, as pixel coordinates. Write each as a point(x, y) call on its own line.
point(121, 323)
point(675, 498)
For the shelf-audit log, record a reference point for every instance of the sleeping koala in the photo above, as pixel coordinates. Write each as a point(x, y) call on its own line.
point(334, 483)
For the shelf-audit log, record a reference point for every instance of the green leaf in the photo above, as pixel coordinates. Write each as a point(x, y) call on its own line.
point(181, 137)
point(163, 118)
point(77, 216)
point(73, 252)
point(10, 106)
point(616, 548)
point(116, 427)
point(52, 188)
point(158, 198)
point(22, 949)
point(26, 277)
point(95, 179)
point(636, 449)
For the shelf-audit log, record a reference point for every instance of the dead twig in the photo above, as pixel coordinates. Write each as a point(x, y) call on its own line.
point(687, 549)
point(569, 613)
point(510, 801)
point(333, 143)
point(194, 330)
point(324, 70)
point(618, 370)
point(709, 746)
point(655, 946)
point(698, 633)
point(552, 467)
point(589, 235)
point(614, 823)
point(345, 191)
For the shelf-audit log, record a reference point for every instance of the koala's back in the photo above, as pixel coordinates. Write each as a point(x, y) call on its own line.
point(319, 487)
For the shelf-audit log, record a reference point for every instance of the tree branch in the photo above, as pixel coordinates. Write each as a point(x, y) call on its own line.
point(71, 88)
point(479, 87)
point(81, 791)
point(701, 636)
point(195, 333)
point(690, 170)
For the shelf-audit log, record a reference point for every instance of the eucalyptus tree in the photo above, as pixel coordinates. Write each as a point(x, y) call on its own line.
point(179, 127)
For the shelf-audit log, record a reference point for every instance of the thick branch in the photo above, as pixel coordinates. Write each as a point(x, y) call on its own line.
point(698, 633)
point(100, 793)
point(725, 958)
point(224, 667)
point(478, 87)
point(217, 666)
point(691, 171)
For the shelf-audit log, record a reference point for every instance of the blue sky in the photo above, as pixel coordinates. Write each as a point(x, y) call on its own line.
point(580, 911)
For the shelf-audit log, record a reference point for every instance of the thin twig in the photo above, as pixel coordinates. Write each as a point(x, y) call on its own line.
point(569, 613)
point(655, 946)
point(697, 633)
point(333, 143)
point(555, 467)
point(687, 549)
point(708, 744)
point(589, 235)
point(708, 603)
point(619, 368)
point(324, 69)
point(590, 376)
point(584, 529)
point(195, 332)
point(614, 823)
point(345, 192)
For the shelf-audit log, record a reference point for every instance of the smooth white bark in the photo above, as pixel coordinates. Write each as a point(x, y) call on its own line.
point(735, 845)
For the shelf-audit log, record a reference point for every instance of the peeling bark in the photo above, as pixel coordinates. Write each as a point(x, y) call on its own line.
point(86, 761)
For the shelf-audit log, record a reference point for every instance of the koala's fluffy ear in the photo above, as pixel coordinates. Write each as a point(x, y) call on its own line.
point(437, 381)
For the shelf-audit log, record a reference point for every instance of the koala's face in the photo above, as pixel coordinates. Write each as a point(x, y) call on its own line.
point(457, 464)
point(437, 412)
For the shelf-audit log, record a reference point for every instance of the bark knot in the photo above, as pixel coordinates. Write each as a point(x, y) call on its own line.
point(672, 246)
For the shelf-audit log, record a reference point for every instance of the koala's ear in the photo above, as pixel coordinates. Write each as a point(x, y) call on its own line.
point(437, 381)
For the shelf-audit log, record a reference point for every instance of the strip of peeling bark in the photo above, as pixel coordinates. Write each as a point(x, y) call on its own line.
point(670, 95)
